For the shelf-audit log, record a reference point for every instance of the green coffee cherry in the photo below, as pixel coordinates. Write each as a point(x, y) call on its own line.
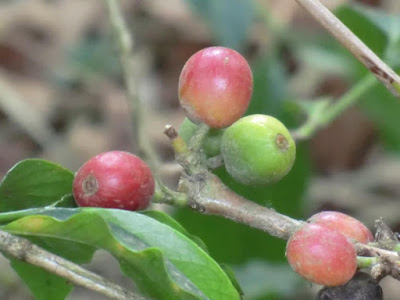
point(258, 150)
point(212, 141)
point(187, 130)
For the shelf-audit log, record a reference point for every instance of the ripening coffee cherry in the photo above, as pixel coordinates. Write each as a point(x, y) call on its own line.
point(322, 255)
point(215, 87)
point(361, 287)
point(114, 179)
point(350, 227)
point(258, 149)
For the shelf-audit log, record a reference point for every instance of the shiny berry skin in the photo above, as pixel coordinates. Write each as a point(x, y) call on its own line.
point(322, 255)
point(215, 87)
point(350, 227)
point(258, 150)
point(114, 179)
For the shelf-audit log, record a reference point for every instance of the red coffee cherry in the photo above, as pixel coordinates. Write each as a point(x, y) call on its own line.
point(114, 179)
point(322, 255)
point(350, 227)
point(215, 87)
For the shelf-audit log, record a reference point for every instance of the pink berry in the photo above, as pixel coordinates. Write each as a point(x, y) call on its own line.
point(350, 227)
point(114, 179)
point(322, 255)
point(215, 87)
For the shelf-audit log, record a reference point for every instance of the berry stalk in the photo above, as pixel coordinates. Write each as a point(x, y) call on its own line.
point(125, 45)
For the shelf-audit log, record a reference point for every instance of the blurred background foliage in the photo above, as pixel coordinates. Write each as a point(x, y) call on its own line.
point(62, 98)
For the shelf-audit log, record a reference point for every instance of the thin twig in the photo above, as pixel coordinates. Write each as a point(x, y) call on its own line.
point(389, 261)
point(350, 41)
point(23, 250)
point(125, 45)
point(208, 195)
point(367, 250)
point(322, 119)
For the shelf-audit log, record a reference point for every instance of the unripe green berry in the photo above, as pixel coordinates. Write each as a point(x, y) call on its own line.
point(212, 141)
point(187, 130)
point(257, 150)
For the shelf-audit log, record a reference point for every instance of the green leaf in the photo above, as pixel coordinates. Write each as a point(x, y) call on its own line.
point(367, 31)
point(373, 36)
point(264, 279)
point(270, 86)
point(380, 31)
point(43, 285)
point(34, 183)
point(229, 20)
point(167, 220)
point(163, 262)
point(390, 24)
point(67, 200)
point(231, 274)
point(324, 57)
point(383, 109)
point(162, 217)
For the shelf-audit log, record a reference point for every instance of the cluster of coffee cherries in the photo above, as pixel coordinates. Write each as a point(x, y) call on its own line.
point(215, 88)
point(322, 251)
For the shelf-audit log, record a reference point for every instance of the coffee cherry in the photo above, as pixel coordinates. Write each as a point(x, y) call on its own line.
point(350, 227)
point(215, 87)
point(258, 149)
point(212, 141)
point(322, 255)
point(114, 179)
point(361, 287)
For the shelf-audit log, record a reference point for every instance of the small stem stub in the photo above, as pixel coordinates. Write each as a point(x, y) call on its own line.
point(170, 132)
